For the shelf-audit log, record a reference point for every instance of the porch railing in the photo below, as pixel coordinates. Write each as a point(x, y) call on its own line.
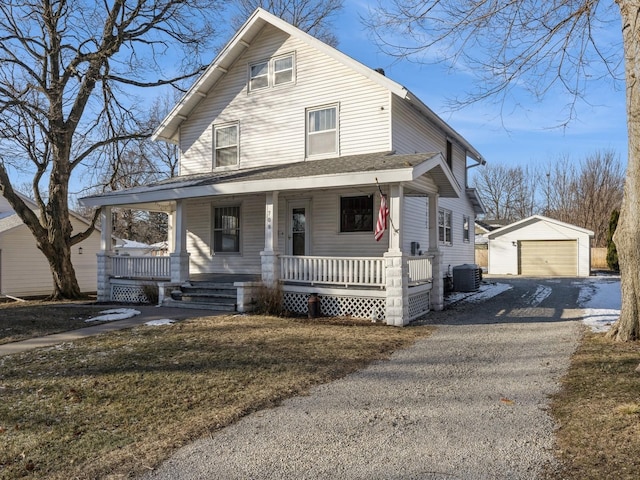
point(348, 271)
point(420, 269)
point(141, 267)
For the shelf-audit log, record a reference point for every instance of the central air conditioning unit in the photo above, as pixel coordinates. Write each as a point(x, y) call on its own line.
point(466, 278)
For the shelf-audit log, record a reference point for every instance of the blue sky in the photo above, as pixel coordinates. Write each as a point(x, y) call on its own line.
point(524, 132)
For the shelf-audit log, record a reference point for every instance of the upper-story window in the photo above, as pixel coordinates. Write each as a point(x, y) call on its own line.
point(322, 130)
point(259, 75)
point(276, 71)
point(449, 158)
point(226, 145)
point(283, 69)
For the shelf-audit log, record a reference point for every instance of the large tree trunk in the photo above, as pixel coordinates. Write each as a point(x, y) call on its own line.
point(627, 236)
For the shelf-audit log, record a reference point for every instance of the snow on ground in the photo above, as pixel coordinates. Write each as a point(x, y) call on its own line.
point(485, 292)
point(157, 323)
point(114, 314)
point(600, 298)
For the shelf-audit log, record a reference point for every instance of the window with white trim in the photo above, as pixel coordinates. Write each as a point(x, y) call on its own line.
point(259, 75)
point(322, 131)
point(225, 138)
point(444, 226)
point(466, 221)
point(226, 229)
point(273, 72)
point(283, 69)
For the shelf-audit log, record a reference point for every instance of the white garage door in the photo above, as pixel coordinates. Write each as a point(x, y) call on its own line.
point(548, 257)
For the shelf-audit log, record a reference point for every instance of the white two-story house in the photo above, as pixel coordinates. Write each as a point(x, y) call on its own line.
point(287, 147)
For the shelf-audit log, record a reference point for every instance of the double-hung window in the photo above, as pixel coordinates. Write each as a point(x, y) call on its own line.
point(259, 75)
point(270, 73)
point(466, 221)
point(322, 131)
point(283, 69)
point(226, 145)
point(444, 226)
point(356, 214)
point(226, 229)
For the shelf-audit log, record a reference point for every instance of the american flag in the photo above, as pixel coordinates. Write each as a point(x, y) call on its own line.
point(383, 213)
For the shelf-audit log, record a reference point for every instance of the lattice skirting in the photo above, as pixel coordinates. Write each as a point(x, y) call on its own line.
point(418, 304)
point(336, 305)
point(128, 294)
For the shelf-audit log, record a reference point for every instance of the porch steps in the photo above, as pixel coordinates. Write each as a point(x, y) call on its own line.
point(206, 295)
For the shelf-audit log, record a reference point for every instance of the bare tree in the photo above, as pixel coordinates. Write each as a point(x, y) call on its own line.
point(537, 46)
point(586, 193)
point(67, 71)
point(312, 16)
point(508, 193)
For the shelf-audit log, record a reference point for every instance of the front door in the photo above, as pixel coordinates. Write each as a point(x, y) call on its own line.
point(299, 228)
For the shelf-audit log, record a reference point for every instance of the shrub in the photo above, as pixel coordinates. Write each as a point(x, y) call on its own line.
point(269, 300)
point(612, 253)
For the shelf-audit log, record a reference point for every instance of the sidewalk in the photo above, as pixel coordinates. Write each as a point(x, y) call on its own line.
point(147, 313)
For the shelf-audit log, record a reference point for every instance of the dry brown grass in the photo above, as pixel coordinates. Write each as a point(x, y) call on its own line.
point(598, 410)
point(114, 405)
point(23, 320)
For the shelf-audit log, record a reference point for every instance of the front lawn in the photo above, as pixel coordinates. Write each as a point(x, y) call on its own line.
point(114, 405)
point(23, 320)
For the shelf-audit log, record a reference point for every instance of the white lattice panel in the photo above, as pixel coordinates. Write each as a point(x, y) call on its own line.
point(337, 306)
point(128, 294)
point(418, 305)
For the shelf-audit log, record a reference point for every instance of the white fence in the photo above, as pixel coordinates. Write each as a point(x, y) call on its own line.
point(141, 267)
point(347, 271)
point(420, 269)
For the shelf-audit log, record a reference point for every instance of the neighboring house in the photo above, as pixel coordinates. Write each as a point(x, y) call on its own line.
point(286, 147)
point(125, 247)
point(24, 270)
point(540, 246)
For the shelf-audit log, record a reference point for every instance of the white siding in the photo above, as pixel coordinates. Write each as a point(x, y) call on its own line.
point(503, 249)
point(199, 243)
point(24, 270)
point(413, 134)
point(272, 120)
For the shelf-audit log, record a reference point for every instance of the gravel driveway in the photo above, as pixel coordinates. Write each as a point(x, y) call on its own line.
point(469, 402)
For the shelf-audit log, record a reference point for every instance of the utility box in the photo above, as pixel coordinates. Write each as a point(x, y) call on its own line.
point(466, 278)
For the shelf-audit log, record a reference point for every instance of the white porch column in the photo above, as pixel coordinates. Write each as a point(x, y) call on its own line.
point(437, 287)
point(270, 256)
point(397, 270)
point(104, 256)
point(179, 255)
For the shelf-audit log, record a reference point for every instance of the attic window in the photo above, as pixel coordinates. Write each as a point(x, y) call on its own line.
point(276, 71)
point(259, 76)
point(283, 70)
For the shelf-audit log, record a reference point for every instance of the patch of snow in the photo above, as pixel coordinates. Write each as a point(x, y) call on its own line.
point(114, 314)
point(162, 321)
point(540, 294)
point(601, 301)
point(485, 292)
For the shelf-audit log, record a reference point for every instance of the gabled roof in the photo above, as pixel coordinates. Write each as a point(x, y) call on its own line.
point(169, 127)
point(9, 219)
point(534, 219)
point(365, 169)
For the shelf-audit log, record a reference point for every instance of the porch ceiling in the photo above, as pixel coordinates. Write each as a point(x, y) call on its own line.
point(382, 168)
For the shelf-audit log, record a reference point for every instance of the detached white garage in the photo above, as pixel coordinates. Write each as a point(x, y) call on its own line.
point(540, 246)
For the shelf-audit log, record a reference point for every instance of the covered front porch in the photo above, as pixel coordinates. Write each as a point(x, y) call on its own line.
point(395, 280)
